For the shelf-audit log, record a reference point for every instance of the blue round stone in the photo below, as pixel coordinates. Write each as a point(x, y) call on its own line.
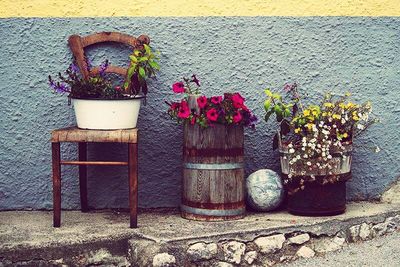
point(264, 190)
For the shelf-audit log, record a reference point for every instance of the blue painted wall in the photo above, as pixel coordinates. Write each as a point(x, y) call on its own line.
point(243, 54)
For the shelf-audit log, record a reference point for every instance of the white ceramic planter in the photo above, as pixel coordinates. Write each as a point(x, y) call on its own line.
point(100, 114)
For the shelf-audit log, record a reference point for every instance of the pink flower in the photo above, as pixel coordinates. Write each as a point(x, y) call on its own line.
point(212, 114)
point(202, 101)
point(237, 100)
point(184, 111)
point(117, 88)
point(193, 120)
point(237, 117)
point(216, 100)
point(178, 87)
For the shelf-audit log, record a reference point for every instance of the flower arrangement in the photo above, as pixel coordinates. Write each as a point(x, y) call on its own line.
point(143, 65)
point(195, 108)
point(315, 135)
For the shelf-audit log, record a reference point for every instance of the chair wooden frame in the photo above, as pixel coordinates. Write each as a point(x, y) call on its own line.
point(82, 137)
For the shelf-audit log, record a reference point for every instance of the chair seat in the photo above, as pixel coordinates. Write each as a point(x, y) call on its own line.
point(74, 134)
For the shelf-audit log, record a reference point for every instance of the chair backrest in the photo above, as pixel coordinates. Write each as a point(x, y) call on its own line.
point(78, 44)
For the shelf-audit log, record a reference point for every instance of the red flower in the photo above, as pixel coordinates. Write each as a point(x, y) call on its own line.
point(202, 101)
point(237, 100)
point(216, 100)
point(237, 117)
point(184, 111)
point(178, 87)
point(212, 114)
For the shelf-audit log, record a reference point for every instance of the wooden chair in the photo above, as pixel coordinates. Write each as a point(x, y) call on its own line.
point(82, 137)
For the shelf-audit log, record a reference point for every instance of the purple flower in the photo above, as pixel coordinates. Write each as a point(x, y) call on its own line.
point(58, 87)
point(195, 80)
point(88, 64)
point(103, 68)
point(74, 68)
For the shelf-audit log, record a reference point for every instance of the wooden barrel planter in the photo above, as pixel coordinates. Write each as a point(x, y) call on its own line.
point(318, 198)
point(213, 175)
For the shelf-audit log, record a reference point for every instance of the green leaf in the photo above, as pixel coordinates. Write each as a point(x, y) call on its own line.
point(143, 59)
point(269, 113)
point(268, 92)
point(142, 72)
point(267, 104)
point(147, 49)
point(286, 112)
point(154, 65)
point(133, 59)
point(276, 96)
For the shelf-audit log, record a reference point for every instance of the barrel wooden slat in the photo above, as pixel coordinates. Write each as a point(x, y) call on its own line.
point(213, 176)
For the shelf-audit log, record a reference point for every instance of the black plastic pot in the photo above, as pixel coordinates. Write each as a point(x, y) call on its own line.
point(319, 200)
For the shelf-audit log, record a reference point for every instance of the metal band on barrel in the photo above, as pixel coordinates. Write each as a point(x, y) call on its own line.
point(208, 212)
point(214, 166)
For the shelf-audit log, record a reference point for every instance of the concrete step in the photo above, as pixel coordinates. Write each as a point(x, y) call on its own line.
point(165, 239)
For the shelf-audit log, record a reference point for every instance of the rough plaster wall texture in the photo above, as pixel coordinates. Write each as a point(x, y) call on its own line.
point(245, 54)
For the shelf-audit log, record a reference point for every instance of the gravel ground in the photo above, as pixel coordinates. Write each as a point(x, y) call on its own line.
point(379, 252)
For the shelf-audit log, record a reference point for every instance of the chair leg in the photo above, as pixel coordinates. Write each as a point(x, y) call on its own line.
point(133, 183)
point(56, 159)
point(82, 152)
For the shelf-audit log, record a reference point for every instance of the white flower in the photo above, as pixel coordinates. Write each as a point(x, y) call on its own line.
point(290, 145)
point(308, 163)
point(291, 151)
point(377, 149)
point(360, 127)
point(343, 121)
point(298, 157)
point(329, 157)
point(305, 156)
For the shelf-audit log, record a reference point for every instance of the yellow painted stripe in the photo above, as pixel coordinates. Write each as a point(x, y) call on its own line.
point(180, 8)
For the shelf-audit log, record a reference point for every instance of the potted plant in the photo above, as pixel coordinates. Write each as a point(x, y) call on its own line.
point(315, 144)
point(100, 103)
point(213, 153)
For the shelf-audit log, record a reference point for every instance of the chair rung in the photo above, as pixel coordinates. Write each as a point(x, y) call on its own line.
point(114, 163)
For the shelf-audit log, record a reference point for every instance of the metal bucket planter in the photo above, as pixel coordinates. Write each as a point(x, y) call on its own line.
point(105, 114)
point(324, 191)
point(213, 175)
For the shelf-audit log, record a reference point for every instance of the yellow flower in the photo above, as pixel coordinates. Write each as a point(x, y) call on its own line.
point(336, 116)
point(324, 114)
point(347, 94)
point(356, 118)
point(345, 135)
point(328, 105)
point(297, 130)
point(310, 126)
point(350, 105)
point(306, 112)
point(342, 105)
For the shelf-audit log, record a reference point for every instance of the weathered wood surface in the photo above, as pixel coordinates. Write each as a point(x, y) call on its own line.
point(82, 156)
point(133, 183)
point(56, 158)
point(74, 134)
point(103, 163)
point(210, 186)
point(77, 45)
